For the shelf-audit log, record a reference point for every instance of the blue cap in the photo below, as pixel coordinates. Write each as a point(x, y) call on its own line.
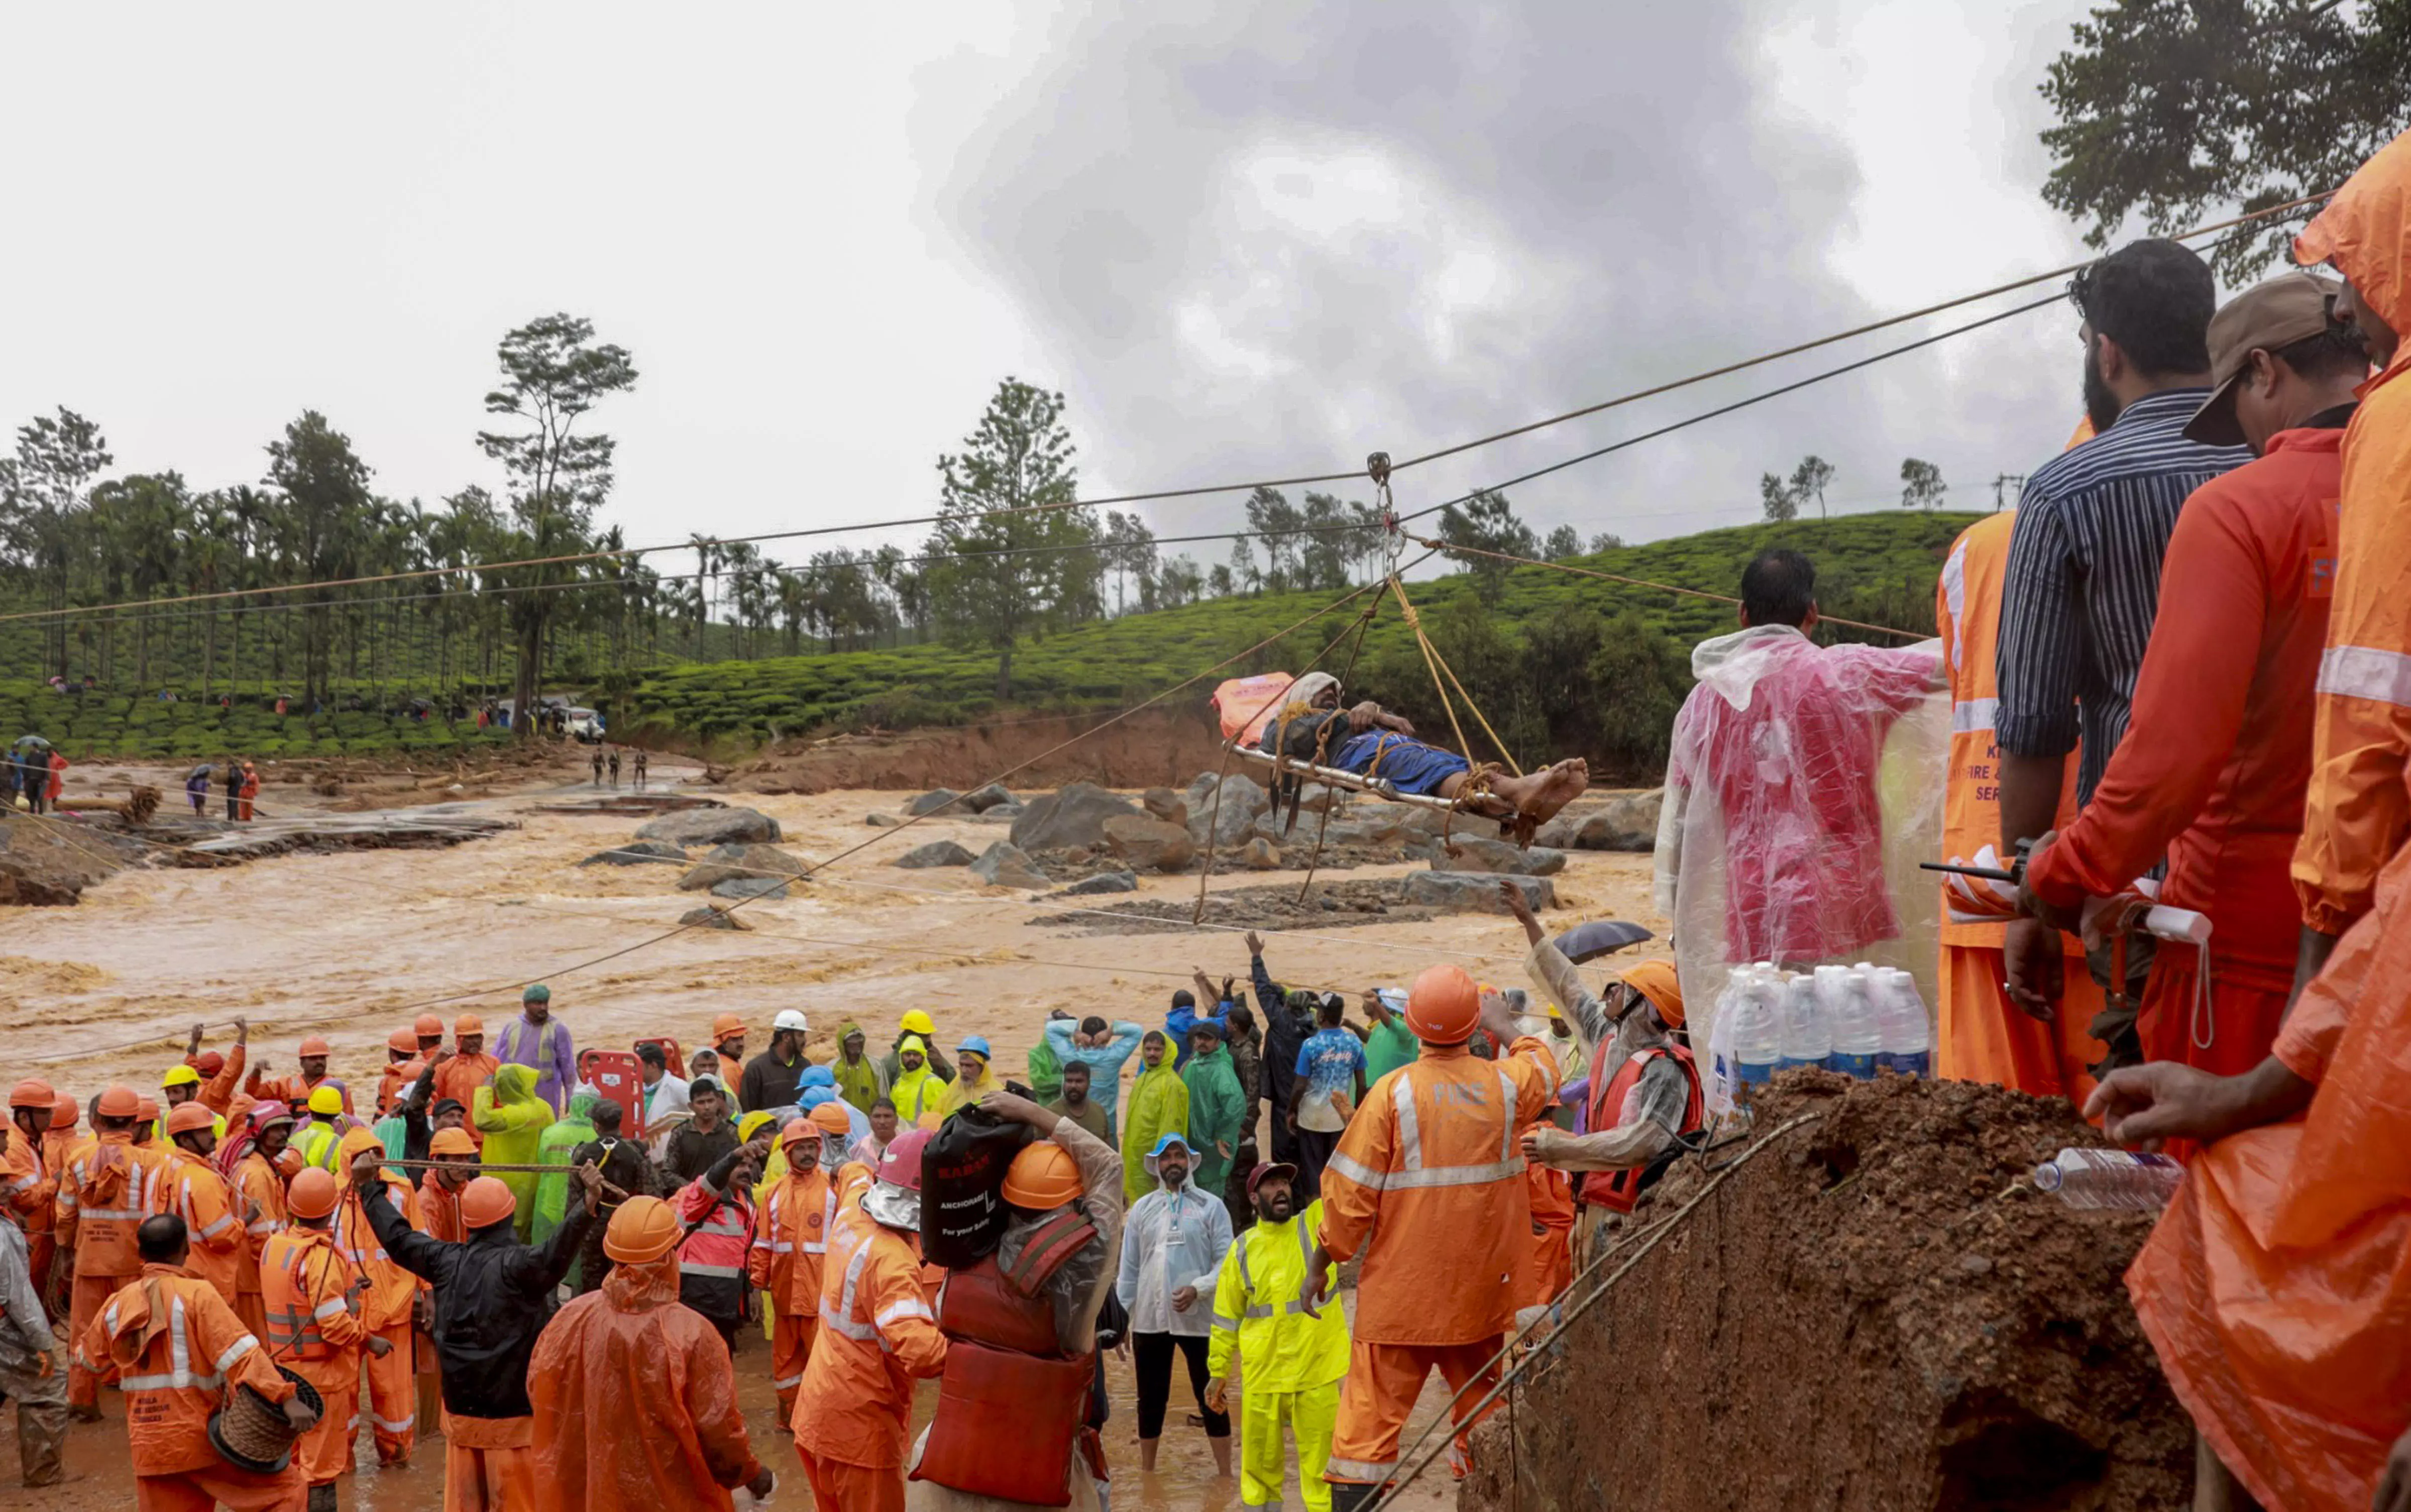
point(976, 1044)
point(1167, 1142)
point(816, 1076)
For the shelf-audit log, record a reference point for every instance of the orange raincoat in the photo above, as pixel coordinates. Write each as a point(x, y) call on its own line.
point(314, 1326)
point(790, 1237)
point(259, 1197)
point(635, 1402)
point(385, 1307)
point(191, 1188)
point(2359, 809)
point(877, 1336)
point(105, 1192)
point(2277, 1289)
point(29, 1187)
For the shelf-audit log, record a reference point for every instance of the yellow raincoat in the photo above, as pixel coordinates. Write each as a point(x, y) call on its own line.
point(513, 1120)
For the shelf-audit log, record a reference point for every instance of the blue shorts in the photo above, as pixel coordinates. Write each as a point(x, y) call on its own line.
point(1407, 763)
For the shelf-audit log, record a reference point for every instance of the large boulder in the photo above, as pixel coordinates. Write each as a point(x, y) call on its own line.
point(1001, 813)
point(932, 801)
point(1628, 822)
point(1006, 865)
point(936, 853)
point(751, 886)
point(714, 827)
point(882, 821)
point(1227, 812)
point(1166, 805)
point(638, 852)
point(1149, 845)
point(1103, 882)
point(711, 916)
point(1475, 892)
point(1073, 816)
point(1471, 853)
point(736, 863)
point(981, 799)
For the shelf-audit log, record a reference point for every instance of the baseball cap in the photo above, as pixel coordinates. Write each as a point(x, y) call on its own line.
point(2288, 308)
point(1269, 1169)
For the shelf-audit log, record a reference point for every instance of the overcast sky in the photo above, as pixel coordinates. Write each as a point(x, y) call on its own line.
point(1240, 238)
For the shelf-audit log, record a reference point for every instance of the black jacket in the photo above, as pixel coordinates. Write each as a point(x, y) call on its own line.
point(690, 1151)
point(493, 1295)
point(767, 1084)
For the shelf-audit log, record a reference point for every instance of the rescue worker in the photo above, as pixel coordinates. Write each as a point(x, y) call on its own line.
point(62, 1137)
point(1173, 1244)
point(469, 1068)
point(877, 1335)
point(1023, 1322)
point(1294, 1361)
point(29, 1183)
point(191, 1188)
point(494, 1297)
point(1425, 1187)
point(768, 1081)
point(258, 1191)
point(915, 1088)
point(540, 1042)
point(428, 1030)
point(555, 1150)
point(622, 1164)
point(176, 1350)
point(1159, 1105)
point(294, 1091)
point(387, 1307)
point(106, 1189)
point(401, 1068)
point(453, 1165)
point(717, 1208)
point(512, 1119)
point(320, 1141)
point(311, 1295)
point(1644, 1089)
point(973, 1081)
point(790, 1237)
point(856, 1074)
point(178, 1085)
point(916, 1022)
point(1218, 1109)
point(2358, 812)
point(29, 1369)
point(2217, 751)
point(146, 1123)
point(601, 1446)
point(222, 1075)
point(1980, 1035)
point(729, 1037)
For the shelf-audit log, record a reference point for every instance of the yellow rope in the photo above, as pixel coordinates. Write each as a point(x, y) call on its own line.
point(1439, 668)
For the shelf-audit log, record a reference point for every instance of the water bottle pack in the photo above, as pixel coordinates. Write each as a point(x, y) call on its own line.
point(1854, 1019)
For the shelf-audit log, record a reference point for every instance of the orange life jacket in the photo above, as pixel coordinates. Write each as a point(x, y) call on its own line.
point(1011, 1404)
point(1618, 1191)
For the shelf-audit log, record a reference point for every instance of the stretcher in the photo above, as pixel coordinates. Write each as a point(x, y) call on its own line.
point(1379, 787)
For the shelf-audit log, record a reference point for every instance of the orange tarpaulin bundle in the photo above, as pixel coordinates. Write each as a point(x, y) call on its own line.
point(1247, 704)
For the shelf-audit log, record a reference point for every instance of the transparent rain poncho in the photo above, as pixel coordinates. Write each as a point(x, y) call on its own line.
point(1803, 787)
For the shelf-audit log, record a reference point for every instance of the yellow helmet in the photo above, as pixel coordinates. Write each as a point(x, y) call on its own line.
point(180, 1076)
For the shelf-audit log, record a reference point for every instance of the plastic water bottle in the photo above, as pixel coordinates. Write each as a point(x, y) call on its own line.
point(2110, 1179)
point(1806, 1039)
point(1757, 1031)
point(1906, 1037)
point(1850, 1018)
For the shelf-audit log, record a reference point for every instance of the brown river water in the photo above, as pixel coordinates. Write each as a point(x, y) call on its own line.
point(351, 945)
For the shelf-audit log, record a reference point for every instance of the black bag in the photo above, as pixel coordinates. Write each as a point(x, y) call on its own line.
point(962, 1186)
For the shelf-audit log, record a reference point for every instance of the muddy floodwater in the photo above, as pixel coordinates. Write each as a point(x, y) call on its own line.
point(350, 946)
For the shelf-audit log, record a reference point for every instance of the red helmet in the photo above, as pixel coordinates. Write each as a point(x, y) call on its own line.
point(1444, 1006)
point(901, 1165)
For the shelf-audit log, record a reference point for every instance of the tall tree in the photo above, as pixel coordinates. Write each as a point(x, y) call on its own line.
point(1323, 546)
point(1776, 498)
point(1921, 485)
point(1563, 542)
point(325, 486)
point(554, 374)
point(1808, 481)
point(45, 491)
point(2175, 108)
point(1009, 531)
point(1606, 540)
point(1487, 522)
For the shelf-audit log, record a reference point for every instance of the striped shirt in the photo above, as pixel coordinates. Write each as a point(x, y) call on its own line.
point(2084, 579)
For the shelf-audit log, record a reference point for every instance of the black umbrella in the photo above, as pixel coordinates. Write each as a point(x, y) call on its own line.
point(1600, 937)
point(202, 770)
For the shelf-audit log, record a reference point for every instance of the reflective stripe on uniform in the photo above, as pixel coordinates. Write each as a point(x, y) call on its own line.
point(226, 1220)
point(1972, 716)
point(843, 1318)
point(331, 1307)
point(1371, 1472)
point(124, 1215)
point(402, 1427)
point(690, 1269)
point(787, 1383)
point(781, 1247)
point(910, 1307)
point(180, 1375)
point(2366, 672)
point(1356, 1172)
point(1223, 1321)
point(1410, 1137)
point(1457, 1175)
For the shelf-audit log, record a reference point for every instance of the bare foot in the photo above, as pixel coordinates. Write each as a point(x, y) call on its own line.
point(1539, 796)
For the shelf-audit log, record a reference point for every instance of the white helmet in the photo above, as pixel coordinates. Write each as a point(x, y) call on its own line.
point(789, 1019)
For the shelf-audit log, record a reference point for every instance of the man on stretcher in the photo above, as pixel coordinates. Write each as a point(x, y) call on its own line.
point(1380, 746)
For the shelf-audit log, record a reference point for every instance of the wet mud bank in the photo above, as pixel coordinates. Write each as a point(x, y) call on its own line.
point(1873, 1314)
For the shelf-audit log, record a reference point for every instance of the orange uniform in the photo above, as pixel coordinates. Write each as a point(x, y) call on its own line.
point(259, 1196)
point(459, 1078)
point(29, 1189)
point(176, 1349)
point(635, 1402)
point(293, 1091)
point(2359, 809)
point(1980, 1035)
point(1551, 1195)
point(2217, 752)
point(1428, 1183)
point(191, 1188)
point(877, 1336)
point(2276, 1290)
point(314, 1326)
point(790, 1239)
point(393, 1081)
point(439, 1212)
point(386, 1312)
point(219, 1091)
point(104, 1194)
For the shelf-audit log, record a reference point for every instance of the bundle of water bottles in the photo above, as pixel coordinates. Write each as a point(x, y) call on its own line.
point(1854, 1019)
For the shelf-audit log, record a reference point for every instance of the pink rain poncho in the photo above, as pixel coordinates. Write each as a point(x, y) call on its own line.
point(1804, 785)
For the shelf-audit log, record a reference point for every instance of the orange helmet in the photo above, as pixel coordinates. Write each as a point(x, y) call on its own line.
point(31, 1093)
point(146, 1110)
point(314, 1193)
point(727, 1026)
point(315, 1045)
point(798, 1128)
point(428, 1027)
point(185, 1117)
point(644, 1229)
point(830, 1119)
point(403, 1042)
point(63, 1113)
point(1444, 1006)
point(120, 1102)
point(486, 1202)
point(208, 1062)
point(1043, 1176)
point(452, 1143)
point(468, 1023)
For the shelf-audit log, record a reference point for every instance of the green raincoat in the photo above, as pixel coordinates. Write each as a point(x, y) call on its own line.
point(560, 1141)
point(1218, 1111)
point(1046, 1072)
point(1159, 1105)
point(858, 1081)
point(513, 1117)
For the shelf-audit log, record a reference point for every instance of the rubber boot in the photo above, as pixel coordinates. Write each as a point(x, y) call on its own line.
point(42, 1442)
point(1347, 1496)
